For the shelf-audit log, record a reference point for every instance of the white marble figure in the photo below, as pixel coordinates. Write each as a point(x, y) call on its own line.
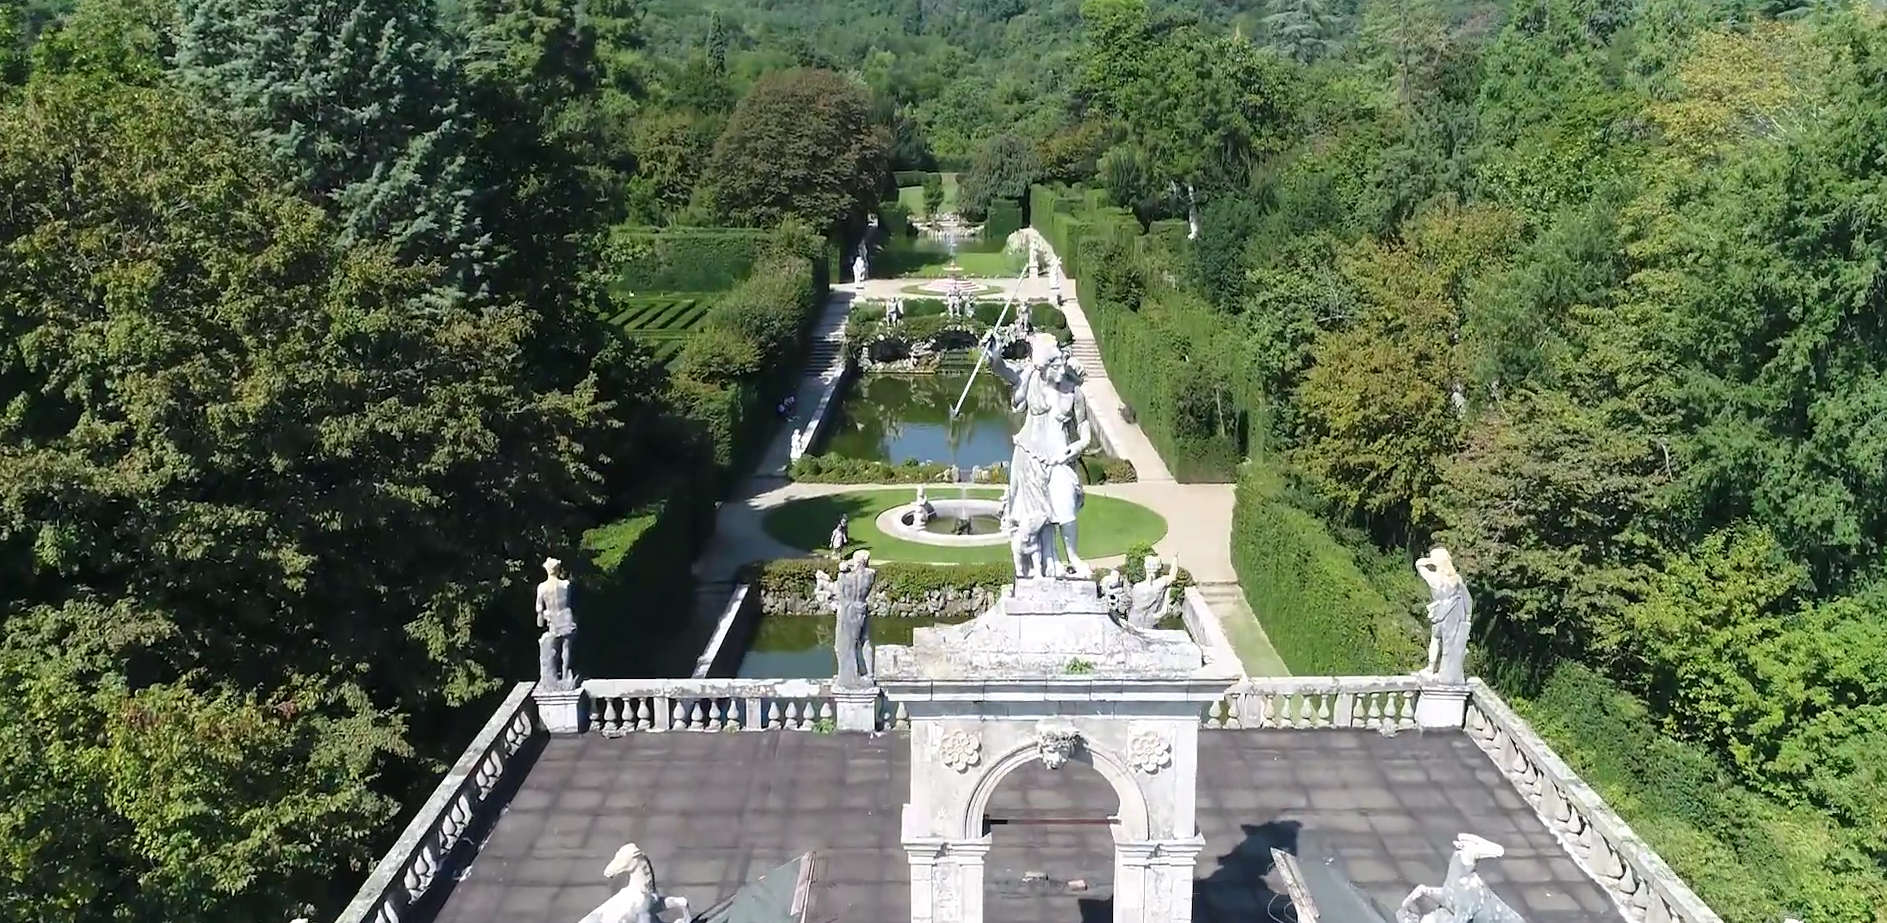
point(1055, 743)
point(1150, 597)
point(1054, 279)
point(825, 590)
point(1114, 590)
point(797, 445)
point(859, 268)
point(559, 624)
point(1462, 897)
point(925, 511)
point(841, 534)
point(1045, 490)
point(639, 899)
point(851, 640)
point(1002, 518)
point(895, 312)
point(1450, 610)
point(1025, 549)
point(1034, 267)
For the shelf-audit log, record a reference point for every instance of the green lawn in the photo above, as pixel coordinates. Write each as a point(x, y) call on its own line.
point(912, 197)
point(1109, 526)
point(975, 265)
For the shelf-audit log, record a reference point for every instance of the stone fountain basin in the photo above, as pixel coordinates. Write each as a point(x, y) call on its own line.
point(899, 522)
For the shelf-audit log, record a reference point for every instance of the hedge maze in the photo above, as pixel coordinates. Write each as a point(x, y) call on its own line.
point(664, 322)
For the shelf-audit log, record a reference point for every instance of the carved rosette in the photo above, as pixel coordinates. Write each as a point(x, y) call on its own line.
point(1055, 743)
point(959, 749)
point(1149, 752)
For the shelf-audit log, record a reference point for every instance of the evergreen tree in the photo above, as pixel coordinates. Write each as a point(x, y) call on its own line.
point(1300, 30)
point(357, 99)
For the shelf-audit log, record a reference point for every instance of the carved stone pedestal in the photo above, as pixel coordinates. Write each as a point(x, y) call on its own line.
point(858, 708)
point(561, 710)
point(1442, 707)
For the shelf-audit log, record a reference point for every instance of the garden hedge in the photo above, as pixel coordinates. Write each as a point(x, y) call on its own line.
point(1323, 613)
point(1005, 218)
point(1750, 857)
point(903, 178)
point(894, 219)
point(900, 581)
point(685, 259)
point(638, 581)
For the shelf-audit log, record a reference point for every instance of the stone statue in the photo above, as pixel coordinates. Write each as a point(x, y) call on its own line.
point(560, 625)
point(1462, 897)
point(639, 899)
point(841, 533)
point(797, 447)
point(1003, 517)
point(1055, 743)
point(896, 312)
point(825, 590)
point(1150, 597)
point(1450, 609)
point(922, 516)
point(1025, 549)
point(1045, 490)
point(858, 265)
point(851, 642)
point(1114, 590)
point(1054, 279)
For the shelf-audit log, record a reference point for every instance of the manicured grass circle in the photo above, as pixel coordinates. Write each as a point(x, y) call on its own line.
point(1109, 526)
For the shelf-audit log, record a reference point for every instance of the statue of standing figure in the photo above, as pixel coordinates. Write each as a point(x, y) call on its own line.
point(1054, 279)
point(841, 534)
point(859, 268)
point(554, 615)
point(1450, 610)
point(851, 641)
point(1149, 598)
point(922, 515)
point(1045, 490)
point(895, 312)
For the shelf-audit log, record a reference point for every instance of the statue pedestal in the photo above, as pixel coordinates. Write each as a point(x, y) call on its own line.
point(857, 708)
point(560, 710)
point(1442, 707)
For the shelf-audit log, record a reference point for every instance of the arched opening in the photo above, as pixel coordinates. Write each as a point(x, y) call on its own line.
point(1052, 833)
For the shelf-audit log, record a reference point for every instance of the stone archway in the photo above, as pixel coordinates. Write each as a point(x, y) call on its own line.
point(1132, 812)
point(1049, 675)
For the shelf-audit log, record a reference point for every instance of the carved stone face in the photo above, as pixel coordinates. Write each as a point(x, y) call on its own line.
point(1056, 744)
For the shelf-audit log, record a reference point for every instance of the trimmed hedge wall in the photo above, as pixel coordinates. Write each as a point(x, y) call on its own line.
point(1323, 613)
point(684, 259)
point(1070, 217)
point(1005, 218)
point(639, 583)
point(1143, 361)
point(1751, 858)
point(903, 178)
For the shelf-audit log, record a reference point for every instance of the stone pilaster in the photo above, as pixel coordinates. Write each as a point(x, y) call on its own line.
point(947, 879)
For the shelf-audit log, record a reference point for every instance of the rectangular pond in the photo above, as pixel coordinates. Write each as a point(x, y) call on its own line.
point(894, 418)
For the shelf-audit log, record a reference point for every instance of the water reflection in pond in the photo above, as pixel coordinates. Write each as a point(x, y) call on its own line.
point(892, 418)
point(800, 646)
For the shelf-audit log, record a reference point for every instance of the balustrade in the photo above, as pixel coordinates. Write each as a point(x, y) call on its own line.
point(413, 863)
point(1643, 887)
point(1317, 703)
point(626, 706)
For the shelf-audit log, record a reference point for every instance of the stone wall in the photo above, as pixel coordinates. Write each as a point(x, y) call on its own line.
point(944, 603)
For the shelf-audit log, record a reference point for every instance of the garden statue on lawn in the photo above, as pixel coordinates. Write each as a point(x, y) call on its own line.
point(841, 534)
point(1045, 488)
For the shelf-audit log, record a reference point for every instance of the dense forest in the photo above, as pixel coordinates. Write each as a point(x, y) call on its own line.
point(305, 364)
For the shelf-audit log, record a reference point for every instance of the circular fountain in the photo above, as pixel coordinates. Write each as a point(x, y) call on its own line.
point(983, 516)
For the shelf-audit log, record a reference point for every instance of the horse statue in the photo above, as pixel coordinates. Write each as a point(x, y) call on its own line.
point(1462, 897)
point(639, 899)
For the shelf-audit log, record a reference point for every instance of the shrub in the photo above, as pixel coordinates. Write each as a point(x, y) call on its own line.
point(911, 177)
point(1751, 858)
point(648, 260)
point(838, 469)
point(641, 584)
point(1317, 604)
point(894, 218)
point(1105, 469)
point(901, 582)
point(1005, 218)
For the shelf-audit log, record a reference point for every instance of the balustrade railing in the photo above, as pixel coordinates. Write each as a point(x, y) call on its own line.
point(1643, 887)
point(1317, 703)
point(416, 859)
point(626, 706)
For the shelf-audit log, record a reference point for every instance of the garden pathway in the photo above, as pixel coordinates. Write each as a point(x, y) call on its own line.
point(1198, 516)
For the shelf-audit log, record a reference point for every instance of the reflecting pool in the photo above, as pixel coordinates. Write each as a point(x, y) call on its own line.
point(924, 256)
point(892, 418)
